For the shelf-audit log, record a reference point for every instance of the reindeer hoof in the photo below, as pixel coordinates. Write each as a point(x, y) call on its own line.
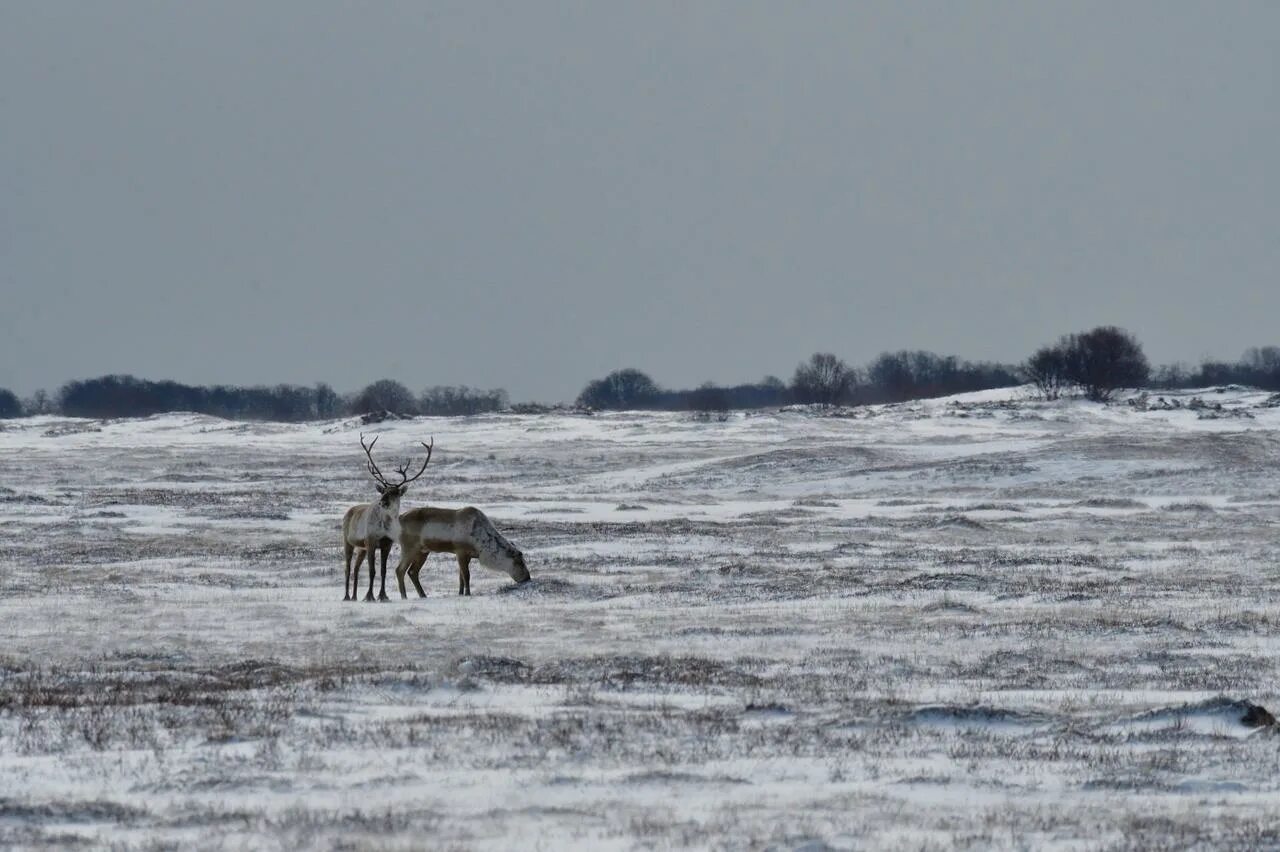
point(383, 597)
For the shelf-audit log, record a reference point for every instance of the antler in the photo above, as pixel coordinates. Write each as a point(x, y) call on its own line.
point(373, 468)
point(403, 469)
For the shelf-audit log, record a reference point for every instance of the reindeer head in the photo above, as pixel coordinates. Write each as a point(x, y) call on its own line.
point(392, 492)
point(508, 559)
point(519, 571)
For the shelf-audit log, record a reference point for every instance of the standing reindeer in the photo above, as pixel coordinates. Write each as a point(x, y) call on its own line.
point(372, 527)
point(468, 533)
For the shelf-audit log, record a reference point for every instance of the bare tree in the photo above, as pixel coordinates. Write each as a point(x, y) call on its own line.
point(39, 403)
point(1264, 359)
point(823, 379)
point(1262, 366)
point(327, 402)
point(1104, 360)
point(1172, 376)
point(1047, 370)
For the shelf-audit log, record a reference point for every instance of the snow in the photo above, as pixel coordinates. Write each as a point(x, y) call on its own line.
point(976, 622)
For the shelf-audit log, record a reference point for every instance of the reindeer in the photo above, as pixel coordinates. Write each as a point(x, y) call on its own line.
point(375, 525)
point(467, 533)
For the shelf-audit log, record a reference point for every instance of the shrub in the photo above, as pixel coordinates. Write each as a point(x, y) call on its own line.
point(455, 401)
point(9, 404)
point(1104, 360)
point(1047, 370)
point(621, 389)
point(384, 395)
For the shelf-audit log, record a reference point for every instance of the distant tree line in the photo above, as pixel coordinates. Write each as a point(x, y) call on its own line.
point(1095, 364)
point(824, 379)
point(128, 396)
point(1259, 367)
point(438, 400)
point(632, 389)
point(1100, 362)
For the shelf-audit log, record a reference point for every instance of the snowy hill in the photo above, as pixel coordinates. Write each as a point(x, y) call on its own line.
point(979, 621)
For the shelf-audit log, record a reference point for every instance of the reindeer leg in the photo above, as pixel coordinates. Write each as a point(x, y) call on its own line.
point(355, 575)
point(401, 567)
point(371, 549)
point(386, 551)
point(415, 567)
point(464, 575)
point(346, 578)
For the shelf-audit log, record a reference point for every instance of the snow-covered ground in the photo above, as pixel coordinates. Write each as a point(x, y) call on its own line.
point(979, 622)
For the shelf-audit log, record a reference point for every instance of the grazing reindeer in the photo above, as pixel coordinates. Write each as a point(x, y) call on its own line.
point(372, 527)
point(464, 532)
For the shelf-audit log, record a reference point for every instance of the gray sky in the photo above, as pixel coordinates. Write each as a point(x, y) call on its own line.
point(531, 194)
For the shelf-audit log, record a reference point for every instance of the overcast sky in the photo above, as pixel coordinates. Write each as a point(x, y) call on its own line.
point(531, 194)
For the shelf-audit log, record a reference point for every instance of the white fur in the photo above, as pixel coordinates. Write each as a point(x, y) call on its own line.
point(445, 532)
point(377, 521)
point(496, 553)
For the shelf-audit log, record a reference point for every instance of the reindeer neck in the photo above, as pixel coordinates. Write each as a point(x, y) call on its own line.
point(381, 520)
